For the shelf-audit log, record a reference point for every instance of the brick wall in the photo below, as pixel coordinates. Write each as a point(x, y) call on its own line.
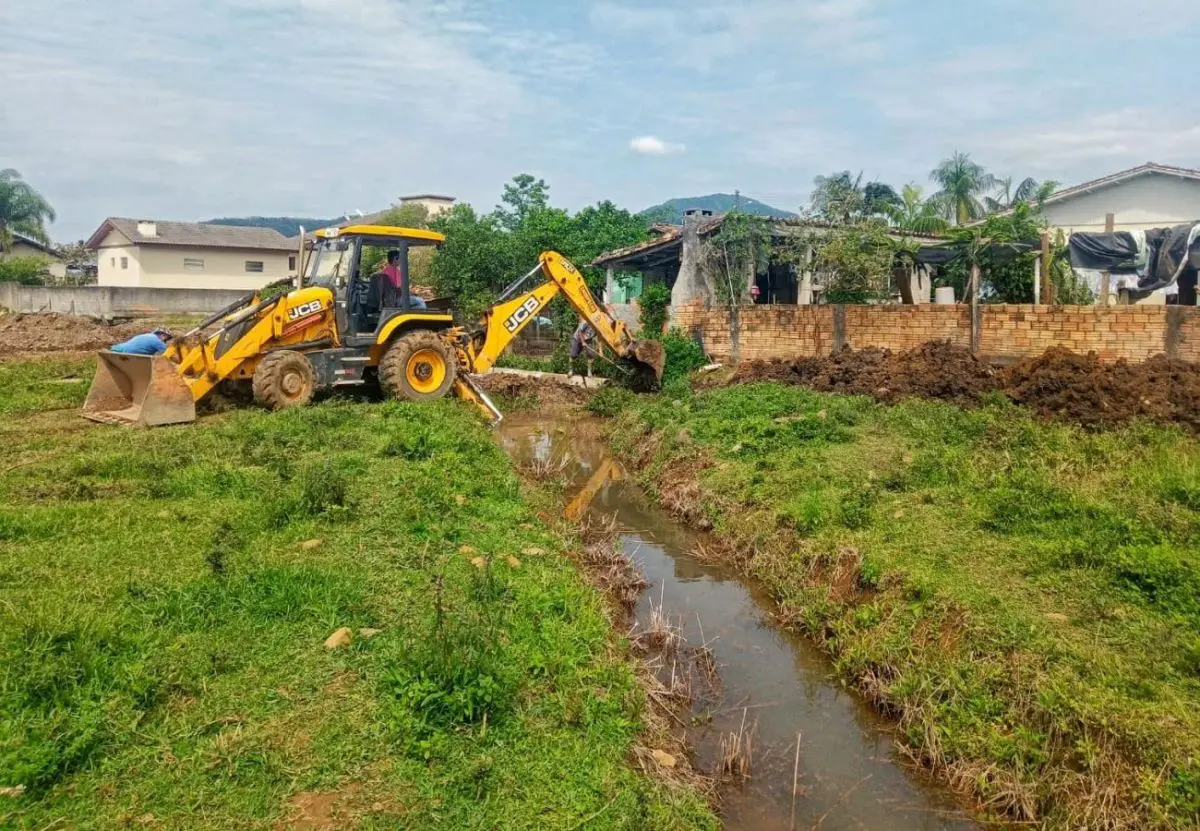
point(1006, 333)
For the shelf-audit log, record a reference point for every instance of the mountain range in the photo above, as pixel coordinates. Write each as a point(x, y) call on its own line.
point(672, 210)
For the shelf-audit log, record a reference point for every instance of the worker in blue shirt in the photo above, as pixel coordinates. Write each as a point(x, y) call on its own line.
point(150, 343)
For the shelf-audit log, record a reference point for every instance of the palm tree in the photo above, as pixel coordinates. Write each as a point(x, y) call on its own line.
point(22, 210)
point(963, 183)
point(915, 214)
point(1030, 190)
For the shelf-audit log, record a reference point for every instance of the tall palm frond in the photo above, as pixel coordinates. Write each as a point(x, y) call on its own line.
point(22, 210)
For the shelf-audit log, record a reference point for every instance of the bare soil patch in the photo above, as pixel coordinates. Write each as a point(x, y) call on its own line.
point(544, 390)
point(1059, 384)
point(34, 333)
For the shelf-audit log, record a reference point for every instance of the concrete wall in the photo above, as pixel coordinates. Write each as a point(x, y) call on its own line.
point(1151, 201)
point(1007, 333)
point(113, 301)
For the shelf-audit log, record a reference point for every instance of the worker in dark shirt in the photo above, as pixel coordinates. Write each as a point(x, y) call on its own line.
point(583, 342)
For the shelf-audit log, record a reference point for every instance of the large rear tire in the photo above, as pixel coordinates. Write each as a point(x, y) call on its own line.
point(283, 380)
point(419, 366)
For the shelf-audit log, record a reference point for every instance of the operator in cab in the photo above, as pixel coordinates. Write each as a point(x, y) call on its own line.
point(149, 343)
point(396, 277)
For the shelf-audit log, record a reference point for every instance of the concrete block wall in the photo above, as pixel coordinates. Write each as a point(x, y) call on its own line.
point(113, 301)
point(1007, 333)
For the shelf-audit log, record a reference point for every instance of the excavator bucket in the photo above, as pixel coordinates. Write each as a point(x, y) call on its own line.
point(648, 359)
point(141, 390)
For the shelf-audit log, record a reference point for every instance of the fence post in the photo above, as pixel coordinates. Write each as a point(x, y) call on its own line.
point(975, 317)
point(1047, 271)
point(1106, 277)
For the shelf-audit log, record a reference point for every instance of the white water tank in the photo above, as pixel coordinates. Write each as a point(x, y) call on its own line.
point(944, 296)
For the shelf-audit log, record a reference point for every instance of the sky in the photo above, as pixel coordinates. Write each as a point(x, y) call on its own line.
point(185, 110)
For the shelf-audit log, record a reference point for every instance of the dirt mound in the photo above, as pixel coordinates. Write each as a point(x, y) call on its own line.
point(938, 370)
point(1079, 388)
point(1058, 384)
point(543, 389)
point(21, 333)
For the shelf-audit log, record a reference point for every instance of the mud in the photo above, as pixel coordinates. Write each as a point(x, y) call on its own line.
point(1079, 389)
point(546, 392)
point(34, 334)
point(1058, 385)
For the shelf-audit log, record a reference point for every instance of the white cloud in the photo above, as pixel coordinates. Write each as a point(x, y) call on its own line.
point(654, 146)
point(704, 33)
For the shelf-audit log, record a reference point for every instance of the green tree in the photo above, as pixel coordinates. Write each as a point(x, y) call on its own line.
point(916, 215)
point(484, 253)
point(842, 197)
point(22, 210)
point(879, 199)
point(963, 186)
point(838, 197)
point(521, 197)
point(855, 261)
point(1030, 190)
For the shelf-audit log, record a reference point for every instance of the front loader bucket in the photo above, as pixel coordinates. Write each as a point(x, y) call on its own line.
point(141, 390)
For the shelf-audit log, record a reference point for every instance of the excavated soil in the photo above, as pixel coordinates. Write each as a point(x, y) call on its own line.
point(1058, 384)
point(937, 370)
point(33, 333)
point(546, 391)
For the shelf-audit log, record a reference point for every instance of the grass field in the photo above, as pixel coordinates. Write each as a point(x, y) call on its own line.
point(1024, 597)
point(165, 596)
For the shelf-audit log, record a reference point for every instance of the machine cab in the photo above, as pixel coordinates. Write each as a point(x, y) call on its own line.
point(367, 269)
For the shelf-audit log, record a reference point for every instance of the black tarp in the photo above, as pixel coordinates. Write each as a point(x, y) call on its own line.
point(1116, 252)
point(997, 252)
point(1173, 253)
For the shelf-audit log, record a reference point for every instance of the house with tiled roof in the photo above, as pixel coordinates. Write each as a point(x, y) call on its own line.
point(1151, 195)
point(190, 255)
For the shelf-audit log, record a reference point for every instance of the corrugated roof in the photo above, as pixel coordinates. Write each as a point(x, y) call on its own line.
point(193, 235)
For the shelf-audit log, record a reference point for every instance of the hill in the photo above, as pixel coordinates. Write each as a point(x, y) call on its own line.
point(289, 226)
point(719, 203)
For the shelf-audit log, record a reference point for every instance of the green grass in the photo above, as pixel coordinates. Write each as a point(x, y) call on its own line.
point(1026, 595)
point(50, 384)
point(162, 628)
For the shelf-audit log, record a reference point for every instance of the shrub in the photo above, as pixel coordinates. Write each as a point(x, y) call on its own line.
point(684, 355)
point(655, 300)
point(609, 401)
point(28, 271)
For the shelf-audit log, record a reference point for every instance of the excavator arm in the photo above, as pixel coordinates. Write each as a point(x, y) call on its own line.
point(505, 321)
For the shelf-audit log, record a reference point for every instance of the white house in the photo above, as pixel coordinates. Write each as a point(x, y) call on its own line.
point(1150, 196)
point(190, 255)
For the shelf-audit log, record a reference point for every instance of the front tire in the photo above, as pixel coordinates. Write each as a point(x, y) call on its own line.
point(283, 380)
point(419, 366)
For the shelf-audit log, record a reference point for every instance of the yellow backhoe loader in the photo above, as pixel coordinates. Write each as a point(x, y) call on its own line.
point(339, 326)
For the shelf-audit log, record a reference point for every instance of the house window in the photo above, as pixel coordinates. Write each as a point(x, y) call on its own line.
point(193, 264)
point(292, 262)
point(112, 261)
point(254, 266)
point(124, 262)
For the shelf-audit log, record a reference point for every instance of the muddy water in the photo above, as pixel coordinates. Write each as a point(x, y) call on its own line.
point(771, 682)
